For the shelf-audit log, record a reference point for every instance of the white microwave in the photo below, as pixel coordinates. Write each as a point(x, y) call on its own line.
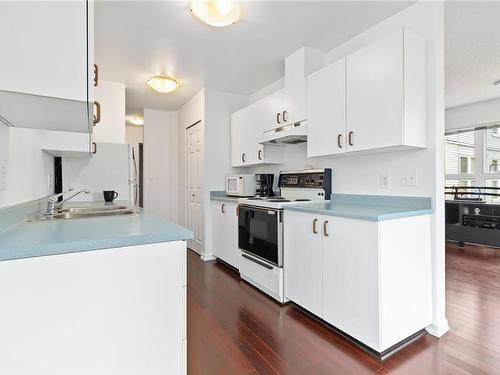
point(241, 185)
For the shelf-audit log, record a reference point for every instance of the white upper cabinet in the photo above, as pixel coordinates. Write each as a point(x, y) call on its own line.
point(294, 101)
point(247, 127)
point(386, 93)
point(326, 111)
point(370, 100)
point(111, 99)
point(47, 64)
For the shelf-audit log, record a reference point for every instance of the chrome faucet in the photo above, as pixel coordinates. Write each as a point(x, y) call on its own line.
point(53, 204)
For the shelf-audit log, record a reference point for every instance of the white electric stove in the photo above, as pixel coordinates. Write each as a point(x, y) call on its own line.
point(260, 227)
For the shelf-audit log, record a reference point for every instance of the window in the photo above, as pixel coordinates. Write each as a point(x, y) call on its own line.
point(473, 159)
point(460, 153)
point(492, 152)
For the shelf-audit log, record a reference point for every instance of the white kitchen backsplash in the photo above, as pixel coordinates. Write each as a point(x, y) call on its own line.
point(27, 168)
point(360, 174)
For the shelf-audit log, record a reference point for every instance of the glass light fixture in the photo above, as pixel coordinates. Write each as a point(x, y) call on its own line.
point(163, 84)
point(218, 13)
point(136, 119)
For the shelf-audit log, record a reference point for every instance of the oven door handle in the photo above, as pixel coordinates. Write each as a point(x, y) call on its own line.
point(257, 261)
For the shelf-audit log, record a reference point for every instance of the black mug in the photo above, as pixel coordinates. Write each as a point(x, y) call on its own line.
point(110, 195)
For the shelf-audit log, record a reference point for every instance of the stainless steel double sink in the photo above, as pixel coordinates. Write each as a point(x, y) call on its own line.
point(86, 212)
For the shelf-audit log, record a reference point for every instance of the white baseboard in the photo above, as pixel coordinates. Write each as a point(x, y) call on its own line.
point(438, 329)
point(207, 257)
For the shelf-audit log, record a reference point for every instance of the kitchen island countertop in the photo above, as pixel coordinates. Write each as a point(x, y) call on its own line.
point(52, 237)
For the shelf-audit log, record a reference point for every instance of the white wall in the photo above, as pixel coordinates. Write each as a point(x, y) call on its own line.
point(218, 109)
point(213, 108)
point(108, 169)
point(473, 115)
point(360, 174)
point(160, 163)
point(111, 128)
point(27, 167)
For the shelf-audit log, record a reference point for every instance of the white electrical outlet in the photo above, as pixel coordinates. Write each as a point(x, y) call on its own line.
point(409, 178)
point(385, 181)
point(3, 177)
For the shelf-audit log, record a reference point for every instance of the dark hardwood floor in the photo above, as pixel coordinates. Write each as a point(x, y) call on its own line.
point(235, 329)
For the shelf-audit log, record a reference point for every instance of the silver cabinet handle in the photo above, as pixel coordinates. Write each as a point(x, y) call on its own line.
point(350, 138)
point(222, 208)
point(278, 118)
point(315, 229)
point(339, 140)
point(94, 151)
point(285, 113)
point(243, 158)
point(325, 228)
point(259, 154)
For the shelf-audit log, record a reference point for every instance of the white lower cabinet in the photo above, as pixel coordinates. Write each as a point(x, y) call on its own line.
point(225, 232)
point(372, 280)
point(302, 264)
point(124, 308)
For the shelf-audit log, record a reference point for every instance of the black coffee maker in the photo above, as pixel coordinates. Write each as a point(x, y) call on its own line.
point(265, 184)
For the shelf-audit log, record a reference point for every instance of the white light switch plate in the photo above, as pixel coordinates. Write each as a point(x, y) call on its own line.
point(409, 178)
point(385, 181)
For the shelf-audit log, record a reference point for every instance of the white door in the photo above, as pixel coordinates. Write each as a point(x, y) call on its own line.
point(326, 125)
point(350, 277)
point(375, 94)
point(225, 232)
point(195, 222)
point(302, 260)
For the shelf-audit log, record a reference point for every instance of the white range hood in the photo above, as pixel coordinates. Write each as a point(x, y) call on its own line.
point(286, 135)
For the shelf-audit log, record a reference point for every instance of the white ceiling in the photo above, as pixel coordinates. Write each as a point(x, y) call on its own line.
point(134, 40)
point(472, 32)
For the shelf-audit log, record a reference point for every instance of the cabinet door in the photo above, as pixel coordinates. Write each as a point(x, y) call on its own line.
point(254, 129)
point(44, 48)
point(111, 127)
point(375, 94)
point(295, 95)
point(225, 232)
point(350, 277)
point(272, 109)
point(238, 141)
point(326, 103)
point(302, 260)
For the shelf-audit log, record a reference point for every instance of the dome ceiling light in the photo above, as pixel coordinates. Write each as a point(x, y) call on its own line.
point(136, 120)
point(163, 84)
point(218, 13)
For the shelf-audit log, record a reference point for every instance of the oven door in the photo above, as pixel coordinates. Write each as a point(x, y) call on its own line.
point(260, 233)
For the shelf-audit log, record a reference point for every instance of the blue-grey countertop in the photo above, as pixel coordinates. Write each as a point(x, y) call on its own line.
point(221, 196)
point(367, 207)
point(51, 237)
